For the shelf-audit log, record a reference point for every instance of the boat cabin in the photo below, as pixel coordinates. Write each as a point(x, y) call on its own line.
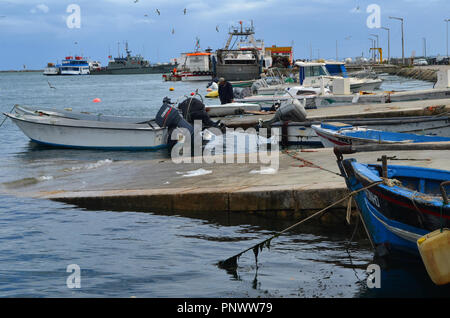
point(310, 73)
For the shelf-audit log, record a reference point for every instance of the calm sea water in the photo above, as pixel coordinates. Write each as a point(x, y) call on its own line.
point(124, 254)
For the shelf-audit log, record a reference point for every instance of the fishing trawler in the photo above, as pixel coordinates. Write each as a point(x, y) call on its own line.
point(195, 66)
point(51, 69)
point(246, 61)
point(132, 65)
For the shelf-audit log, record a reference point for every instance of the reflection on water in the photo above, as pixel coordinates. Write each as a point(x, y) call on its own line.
point(158, 255)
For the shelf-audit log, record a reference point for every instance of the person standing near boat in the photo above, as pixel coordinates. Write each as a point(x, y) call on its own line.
point(225, 91)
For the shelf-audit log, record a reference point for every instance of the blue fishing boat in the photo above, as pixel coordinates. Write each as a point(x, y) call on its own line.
point(407, 203)
point(340, 134)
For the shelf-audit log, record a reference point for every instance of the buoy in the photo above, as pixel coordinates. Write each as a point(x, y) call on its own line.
point(434, 249)
point(171, 89)
point(192, 94)
point(97, 100)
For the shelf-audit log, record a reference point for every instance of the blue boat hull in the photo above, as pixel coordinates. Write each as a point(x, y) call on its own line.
point(396, 216)
point(394, 235)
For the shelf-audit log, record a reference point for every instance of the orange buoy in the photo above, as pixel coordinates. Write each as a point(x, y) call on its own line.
point(97, 100)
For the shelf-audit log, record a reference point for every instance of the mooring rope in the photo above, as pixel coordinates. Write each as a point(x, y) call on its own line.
point(309, 163)
point(7, 116)
point(231, 263)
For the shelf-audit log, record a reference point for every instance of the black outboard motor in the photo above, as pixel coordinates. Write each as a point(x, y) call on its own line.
point(168, 116)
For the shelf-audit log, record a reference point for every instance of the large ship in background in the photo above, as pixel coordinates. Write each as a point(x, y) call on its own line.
point(132, 65)
point(72, 66)
point(246, 61)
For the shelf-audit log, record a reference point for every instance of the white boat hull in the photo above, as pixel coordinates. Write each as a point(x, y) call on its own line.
point(81, 71)
point(191, 77)
point(51, 71)
point(91, 135)
point(231, 109)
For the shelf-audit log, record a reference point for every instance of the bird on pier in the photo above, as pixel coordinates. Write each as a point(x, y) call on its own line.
point(50, 85)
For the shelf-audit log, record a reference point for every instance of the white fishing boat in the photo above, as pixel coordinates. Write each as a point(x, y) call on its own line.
point(194, 66)
point(69, 114)
point(231, 109)
point(312, 74)
point(59, 131)
point(51, 69)
point(302, 93)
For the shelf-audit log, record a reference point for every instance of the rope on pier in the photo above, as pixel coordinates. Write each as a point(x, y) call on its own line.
point(307, 163)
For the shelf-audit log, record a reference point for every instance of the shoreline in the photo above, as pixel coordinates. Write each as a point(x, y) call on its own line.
point(21, 71)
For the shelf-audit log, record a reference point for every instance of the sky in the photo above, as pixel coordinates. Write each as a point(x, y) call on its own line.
point(33, 33)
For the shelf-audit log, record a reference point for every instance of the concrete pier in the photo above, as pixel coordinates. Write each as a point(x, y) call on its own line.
point(296, 189)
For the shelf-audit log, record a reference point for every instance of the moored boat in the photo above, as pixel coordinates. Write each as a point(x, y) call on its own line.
point(339, 134)
point(51, 69)
point(231, 109)
point(400, 204)
point(301, 133)
point(65, 132)
point(74, 66)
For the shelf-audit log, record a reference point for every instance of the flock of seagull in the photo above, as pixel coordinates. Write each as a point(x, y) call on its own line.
point(159, 13)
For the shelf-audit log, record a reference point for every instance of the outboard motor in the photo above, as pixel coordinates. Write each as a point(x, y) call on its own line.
point(289, 110)
point(168, 116)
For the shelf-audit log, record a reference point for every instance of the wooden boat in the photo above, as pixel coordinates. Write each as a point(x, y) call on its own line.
point(340, 134)
point(302, 133)
point(406, 205)
point(58, 131)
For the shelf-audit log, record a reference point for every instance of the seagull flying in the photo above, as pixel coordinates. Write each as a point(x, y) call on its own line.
point(136, 1)
point(184, 10)
point(50, 85)
point(173, 31)
point(157, 11)
point(217, 28)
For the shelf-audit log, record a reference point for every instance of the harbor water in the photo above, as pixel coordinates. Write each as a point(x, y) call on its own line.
point(125, 254)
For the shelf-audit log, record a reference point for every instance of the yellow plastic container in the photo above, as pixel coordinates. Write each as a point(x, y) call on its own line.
point(434, 249)
point(212, 94)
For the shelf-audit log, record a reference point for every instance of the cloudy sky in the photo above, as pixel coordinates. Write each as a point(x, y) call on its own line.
point(33, 33)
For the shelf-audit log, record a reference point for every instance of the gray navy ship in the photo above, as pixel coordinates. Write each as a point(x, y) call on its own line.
point(133, 65)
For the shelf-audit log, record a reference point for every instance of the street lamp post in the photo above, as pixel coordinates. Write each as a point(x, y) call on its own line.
point(378, 45)
point(389, 43)
point(372, 42)
point(403, 38)
point(446, 20)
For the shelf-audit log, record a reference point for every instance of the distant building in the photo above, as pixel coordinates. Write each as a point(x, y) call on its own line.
point(285, 51)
